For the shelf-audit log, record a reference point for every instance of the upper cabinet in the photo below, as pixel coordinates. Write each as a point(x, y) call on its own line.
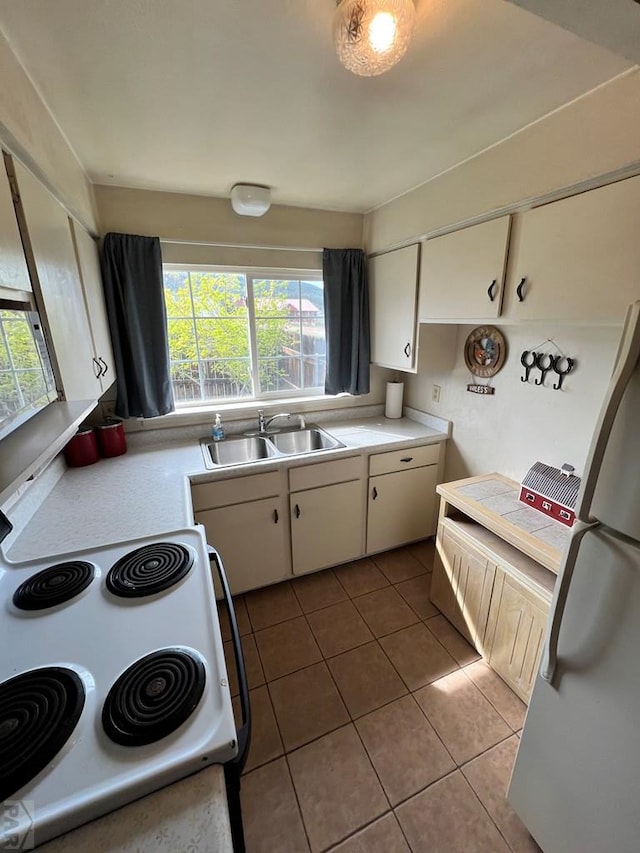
point(14, 274)
point(393, 282)
point(462, 273)
point(89, 268)
point(577, 260)
point(54, 273)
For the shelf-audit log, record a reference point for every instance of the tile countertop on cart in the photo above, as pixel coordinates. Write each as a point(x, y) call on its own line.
point(146, 492)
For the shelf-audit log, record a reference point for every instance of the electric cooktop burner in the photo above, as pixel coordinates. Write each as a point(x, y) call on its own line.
point(149, 570)
point(39, 710)
point(153, 697)
point(54, 585)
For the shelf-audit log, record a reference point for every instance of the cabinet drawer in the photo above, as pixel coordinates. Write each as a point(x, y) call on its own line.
point(398, 460)
point(325, 473)
point(237, 490)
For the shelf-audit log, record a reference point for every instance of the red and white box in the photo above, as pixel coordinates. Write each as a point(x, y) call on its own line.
point(551, 491)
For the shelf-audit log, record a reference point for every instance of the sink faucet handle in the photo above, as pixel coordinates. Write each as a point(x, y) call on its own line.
point(261, 423)
point(303, 423)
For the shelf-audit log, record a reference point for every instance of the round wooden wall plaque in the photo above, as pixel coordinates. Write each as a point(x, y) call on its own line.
point(485, 351)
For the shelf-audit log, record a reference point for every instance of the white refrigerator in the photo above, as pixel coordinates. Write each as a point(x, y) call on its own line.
point(576, 779)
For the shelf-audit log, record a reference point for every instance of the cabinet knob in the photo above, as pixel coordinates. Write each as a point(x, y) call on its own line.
point(519, 290)
point(490, 292)
point(407, 350)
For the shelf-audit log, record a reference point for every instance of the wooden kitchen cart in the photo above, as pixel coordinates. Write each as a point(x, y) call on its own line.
point(495, 566)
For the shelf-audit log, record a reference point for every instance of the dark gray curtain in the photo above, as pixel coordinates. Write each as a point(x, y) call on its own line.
point(346, 311)
point(132, 275)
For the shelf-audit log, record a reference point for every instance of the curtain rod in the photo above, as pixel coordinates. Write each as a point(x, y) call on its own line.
point(243, 246)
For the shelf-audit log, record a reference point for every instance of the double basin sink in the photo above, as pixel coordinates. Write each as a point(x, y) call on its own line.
point(276, 445)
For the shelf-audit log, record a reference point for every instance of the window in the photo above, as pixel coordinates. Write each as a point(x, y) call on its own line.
point(26, 378)
point(238, 335)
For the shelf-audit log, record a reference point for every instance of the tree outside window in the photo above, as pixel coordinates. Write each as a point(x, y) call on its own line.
point(237, 335)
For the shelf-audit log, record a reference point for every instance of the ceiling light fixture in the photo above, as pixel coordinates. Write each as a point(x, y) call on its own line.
point(370, 36)
point(250, 199)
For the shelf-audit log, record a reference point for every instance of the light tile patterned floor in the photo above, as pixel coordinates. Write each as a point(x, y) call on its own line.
point(377, 728)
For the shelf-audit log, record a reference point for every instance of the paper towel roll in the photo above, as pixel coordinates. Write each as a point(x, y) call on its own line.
point(393, 405)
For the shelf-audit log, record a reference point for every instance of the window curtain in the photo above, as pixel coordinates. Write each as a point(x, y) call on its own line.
point(132, 276)
point(346, 309)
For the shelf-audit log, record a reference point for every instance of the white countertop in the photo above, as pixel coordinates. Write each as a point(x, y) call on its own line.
point(146, 491)
point(188, 815)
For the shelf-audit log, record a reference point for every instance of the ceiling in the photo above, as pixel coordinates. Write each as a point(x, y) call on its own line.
point(196, 95)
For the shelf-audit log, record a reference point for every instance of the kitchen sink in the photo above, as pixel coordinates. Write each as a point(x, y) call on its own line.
point(236, 451)
point(304, 441)
point(256, 448)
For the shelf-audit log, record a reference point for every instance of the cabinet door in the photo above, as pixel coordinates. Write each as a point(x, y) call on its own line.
point(578, 259)
point(91, 277)
point(14, 274)
point(55, 275)
point(518, 622)
point(393, 282)
point(252, 540)
point(462, 274)
point(401, 508)
point(461, 586)
point(326, 526)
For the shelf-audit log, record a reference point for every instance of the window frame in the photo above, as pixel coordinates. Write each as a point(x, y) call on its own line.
point(251, 274)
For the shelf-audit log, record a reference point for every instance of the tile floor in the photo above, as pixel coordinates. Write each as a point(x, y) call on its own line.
point(376, 727)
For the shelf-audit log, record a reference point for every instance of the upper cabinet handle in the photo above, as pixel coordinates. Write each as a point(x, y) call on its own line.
point(297, 511)
point(407, 350)
point(97, 369)
point(104, 364)
point(519, 290)
point(275, 516)
point(490, 292)
point(374, 493)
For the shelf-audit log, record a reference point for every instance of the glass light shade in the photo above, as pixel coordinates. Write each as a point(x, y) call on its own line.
point(370, 36)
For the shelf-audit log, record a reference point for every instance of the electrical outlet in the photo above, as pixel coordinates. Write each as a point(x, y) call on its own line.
point(435, 393)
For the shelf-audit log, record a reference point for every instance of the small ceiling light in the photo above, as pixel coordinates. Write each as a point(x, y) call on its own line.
point(370, 36)
point(250, 199)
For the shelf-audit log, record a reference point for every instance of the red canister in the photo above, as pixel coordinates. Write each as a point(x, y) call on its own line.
point(111, 438)
point(82, 449)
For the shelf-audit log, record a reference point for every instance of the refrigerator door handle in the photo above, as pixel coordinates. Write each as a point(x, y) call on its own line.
point(626, 361)
point(560, 596)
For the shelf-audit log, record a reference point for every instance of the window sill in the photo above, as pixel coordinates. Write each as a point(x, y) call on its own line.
point(230, 412)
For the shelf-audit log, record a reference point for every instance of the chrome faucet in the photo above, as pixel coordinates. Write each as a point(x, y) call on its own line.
point(263, 425)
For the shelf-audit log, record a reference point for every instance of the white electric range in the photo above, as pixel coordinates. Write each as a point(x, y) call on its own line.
point(112, 680)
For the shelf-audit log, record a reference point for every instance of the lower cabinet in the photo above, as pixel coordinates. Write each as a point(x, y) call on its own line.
point(517, 622)
point(461, 587)
point(481, 584)
point(326, 526)
point(401, 507)
point(292, 521)
point(252, 539)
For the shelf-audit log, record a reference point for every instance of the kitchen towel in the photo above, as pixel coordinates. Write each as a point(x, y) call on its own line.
point(393, 405)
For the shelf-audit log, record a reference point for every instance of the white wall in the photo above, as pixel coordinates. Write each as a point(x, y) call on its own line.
point(593, 135)
point(522, 423)
point(27, 128)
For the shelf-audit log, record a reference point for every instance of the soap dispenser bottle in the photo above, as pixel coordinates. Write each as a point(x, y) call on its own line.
point(218, 429)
